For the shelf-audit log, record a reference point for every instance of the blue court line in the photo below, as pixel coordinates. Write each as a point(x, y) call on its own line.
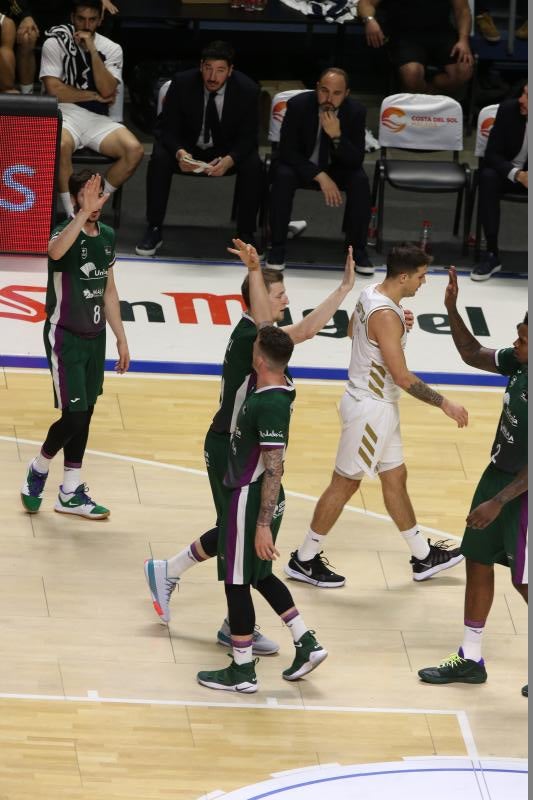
point(316, 373)
point(272, 792)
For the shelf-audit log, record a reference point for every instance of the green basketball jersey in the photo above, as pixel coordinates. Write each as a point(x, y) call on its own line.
point(238, 376)
point(263, 422)
point(509, 450)
point(77, 282)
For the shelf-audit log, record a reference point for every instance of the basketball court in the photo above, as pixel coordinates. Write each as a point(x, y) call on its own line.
point(98, 701)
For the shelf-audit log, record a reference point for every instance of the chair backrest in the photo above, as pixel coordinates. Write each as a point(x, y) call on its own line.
point(485, 121)
point(163, 89)
point(277, 112)
point(421, 122)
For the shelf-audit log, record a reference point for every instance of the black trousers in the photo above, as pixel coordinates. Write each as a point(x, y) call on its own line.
point(356, 215)
point(491, 188)
point(162, 166)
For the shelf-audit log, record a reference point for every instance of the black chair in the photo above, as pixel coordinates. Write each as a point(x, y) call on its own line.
point(423, 123)
point(485, 122)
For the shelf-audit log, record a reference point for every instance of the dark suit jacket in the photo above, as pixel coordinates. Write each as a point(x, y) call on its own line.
point(180, 122)
point(506, 138)
point(299, 131)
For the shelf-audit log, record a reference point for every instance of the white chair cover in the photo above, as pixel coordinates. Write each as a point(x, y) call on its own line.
point(421, 122)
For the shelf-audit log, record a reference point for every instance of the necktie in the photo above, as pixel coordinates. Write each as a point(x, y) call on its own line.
point(323, 150)
point(212, 122)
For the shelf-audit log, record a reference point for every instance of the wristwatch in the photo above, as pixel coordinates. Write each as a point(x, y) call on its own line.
point(364, 20)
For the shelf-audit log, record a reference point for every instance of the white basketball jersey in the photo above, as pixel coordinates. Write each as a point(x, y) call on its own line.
point(367, 372)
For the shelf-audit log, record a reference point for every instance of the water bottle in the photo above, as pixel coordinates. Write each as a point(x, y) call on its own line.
point(372, 227)
point(425, 237)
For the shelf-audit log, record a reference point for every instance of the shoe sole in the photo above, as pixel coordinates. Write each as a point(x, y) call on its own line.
point(81, 514)
point(299, 576)
point(255, 651)
point(151, 252)
point(155, 602)
point(443, 681)
point(423, 576)
point(486, 277)
point(241, 688)
point(309, 666)
point(365, 270)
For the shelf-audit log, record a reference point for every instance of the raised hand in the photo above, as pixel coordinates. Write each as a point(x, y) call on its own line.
point(452, 289)
point(247, 253)
point(91, 197)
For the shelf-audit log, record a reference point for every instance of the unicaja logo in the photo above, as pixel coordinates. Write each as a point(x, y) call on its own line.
point(387, 119)
point(486, 127)
point(278, 112)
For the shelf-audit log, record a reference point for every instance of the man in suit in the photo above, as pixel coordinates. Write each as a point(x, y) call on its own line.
point(504, 170)
point(211, 115)
point(322, 146)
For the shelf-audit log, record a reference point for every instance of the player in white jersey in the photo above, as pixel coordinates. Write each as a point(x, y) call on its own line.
point(370, 442)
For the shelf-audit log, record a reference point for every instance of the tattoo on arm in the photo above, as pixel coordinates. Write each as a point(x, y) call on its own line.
point(423, 392)
point(517, 487)
point(273, 461)
point(468, 347)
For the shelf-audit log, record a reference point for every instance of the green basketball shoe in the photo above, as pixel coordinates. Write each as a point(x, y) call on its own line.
point(309, 654)
point(235, 678)
point(455, 669)
point(32, 490)
point(79, 502)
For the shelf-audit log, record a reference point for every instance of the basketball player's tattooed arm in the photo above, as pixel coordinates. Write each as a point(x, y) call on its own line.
point(468, 347)
point(264, 544)
point(385, 327)
point(484, 514)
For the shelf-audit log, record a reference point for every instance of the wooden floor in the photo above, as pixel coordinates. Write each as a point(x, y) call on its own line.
point(76, 621)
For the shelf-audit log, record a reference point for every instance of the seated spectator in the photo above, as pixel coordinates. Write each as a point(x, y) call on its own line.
point(322, 146)
point(504, 169)
point(418, 33)
point(83, 70)
point(210, 114)
point(18, 36)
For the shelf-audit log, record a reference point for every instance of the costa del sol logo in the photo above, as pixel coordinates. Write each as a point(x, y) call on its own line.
point(486, 127)
point(387, 119)
point(278, 111)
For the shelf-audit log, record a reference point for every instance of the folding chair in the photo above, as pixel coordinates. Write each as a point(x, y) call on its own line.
point(424, 123)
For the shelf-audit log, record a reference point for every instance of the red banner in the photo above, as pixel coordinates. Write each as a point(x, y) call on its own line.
point(27, 167)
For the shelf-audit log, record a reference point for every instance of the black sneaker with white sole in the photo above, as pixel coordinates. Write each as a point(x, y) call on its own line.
point(439, 558)
point(316, 572)
point(151, 242)
point(363, 264)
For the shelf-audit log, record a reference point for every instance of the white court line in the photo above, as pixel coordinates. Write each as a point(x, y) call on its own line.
point(191, 471)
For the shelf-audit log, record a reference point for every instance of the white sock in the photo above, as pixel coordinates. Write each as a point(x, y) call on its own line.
point(472, 640)
point(242, 651)
point(179, 564)
point(417, 544)
point(41, 464)
point(26, 88)
point(297, 626)
point(108, 188)
point(67, 203)
point(71, 479)
point(313, 544)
